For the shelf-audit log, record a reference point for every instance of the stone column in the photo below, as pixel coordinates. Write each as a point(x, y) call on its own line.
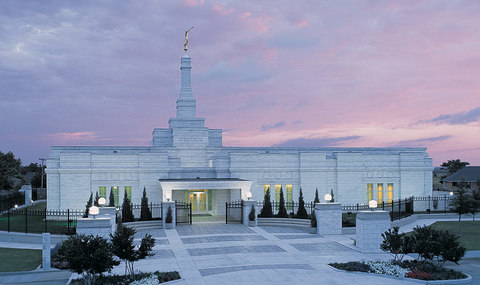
point(247, 207)
point(27, 189)
point(329, 218)
point(369, 229)
point(165, 206)
point(46, 261)
point(111, 213)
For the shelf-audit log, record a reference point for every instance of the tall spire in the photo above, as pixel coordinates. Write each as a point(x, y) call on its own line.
point(186, 104)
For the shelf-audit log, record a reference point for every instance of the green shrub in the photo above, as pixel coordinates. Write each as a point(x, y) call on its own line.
point(352, 266)
point(282, 210)
point(251, 216)
point(127, 213)
point(267, 205)
point(145, 213)
point(301, 212)
point(313, 220)
point(168, 218)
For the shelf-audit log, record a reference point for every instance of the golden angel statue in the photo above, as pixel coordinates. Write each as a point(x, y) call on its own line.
point(185, 48)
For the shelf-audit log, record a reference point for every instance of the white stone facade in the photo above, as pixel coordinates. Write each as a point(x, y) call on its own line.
point(370, 225)
point(189, 150)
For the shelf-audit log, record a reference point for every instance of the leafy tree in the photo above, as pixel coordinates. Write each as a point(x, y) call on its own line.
point(282, 211)
point(301, 212)
point(396, 244)
point(123, 247)
point(145, 213)
point(95, 202)
point(251, 215)
point(32, 167)
point(331, 193)
point(454, 165)
point(127, 213)
point(111, 199)
point(267, 205)
point(461, 202)
point(317, 200)
point(37, 180)
point(169, 217)
point(9, 167)
point(89, 204)
point(475, 207)
point(87, 255)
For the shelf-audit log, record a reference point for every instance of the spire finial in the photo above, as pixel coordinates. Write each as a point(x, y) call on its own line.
point(185, 48)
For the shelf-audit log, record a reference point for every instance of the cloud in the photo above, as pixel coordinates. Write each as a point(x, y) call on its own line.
point(267, 127)
point(457, 118)
point(421, 142)
point(316, 142)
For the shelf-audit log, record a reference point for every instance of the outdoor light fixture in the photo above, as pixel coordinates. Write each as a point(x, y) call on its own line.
point(16, 206)
point(372, 204)
point(93, 210)
point(102, 201)
point(248, 195)
point(328, 197)
point(31, 201)
point(168, 197)
point(451, 193)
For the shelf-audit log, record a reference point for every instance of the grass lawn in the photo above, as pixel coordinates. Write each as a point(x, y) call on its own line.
point(12, 259)
point(470, 235)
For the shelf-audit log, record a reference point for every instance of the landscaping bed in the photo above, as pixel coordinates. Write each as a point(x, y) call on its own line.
point(142, 278)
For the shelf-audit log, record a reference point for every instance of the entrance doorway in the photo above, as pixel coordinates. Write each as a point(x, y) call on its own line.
point(199, 202)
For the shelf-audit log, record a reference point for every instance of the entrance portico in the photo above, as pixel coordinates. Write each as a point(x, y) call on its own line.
point(207, 195)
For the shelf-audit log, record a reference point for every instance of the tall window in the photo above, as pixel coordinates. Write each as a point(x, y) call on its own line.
point(129, 193)
point(380, 193)
point(102, 191)
point(369, 192)
point(115, 194)
point(278, 189)
point(289, 197)
point(389, 192)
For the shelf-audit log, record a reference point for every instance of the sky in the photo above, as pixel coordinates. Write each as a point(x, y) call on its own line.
point(269, 73)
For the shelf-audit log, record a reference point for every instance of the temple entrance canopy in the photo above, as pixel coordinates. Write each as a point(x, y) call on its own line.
point(207, 196)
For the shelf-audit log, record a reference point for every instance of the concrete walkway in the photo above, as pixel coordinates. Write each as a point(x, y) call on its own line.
point(234, 254)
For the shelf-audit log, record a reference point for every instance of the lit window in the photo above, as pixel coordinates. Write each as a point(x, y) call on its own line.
point(380, 193)
point(278, 189)
point(389, 192)
point(128, 189)
point(289, 197)
point(102, 192)
point(115, 195)
point(369, 192)
point(265, 189)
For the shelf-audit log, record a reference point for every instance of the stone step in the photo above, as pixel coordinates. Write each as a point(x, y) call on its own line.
point(284, 222)
point(144, 224)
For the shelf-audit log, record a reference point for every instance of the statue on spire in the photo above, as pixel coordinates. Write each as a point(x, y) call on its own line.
point(185, 48)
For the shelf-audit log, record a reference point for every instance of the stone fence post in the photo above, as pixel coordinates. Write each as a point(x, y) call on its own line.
point(247, 207)
point(369, 229)
point(329, 218)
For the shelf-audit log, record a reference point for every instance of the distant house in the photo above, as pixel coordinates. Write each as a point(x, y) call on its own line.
point(469, 175)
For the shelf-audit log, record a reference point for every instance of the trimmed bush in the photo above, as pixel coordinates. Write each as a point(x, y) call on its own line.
point(282, 211)
point(352, 266)
point(145, 213)
point(169, 218)
point(266, 211)
point(251, 216)
point(301, 212)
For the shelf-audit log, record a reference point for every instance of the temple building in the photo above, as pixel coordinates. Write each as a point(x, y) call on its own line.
point(188, 162)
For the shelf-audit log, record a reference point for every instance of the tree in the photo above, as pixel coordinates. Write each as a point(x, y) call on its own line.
point(89, 204)
point(123, 247)
point(251, 215)
point(111, 199)
point(396, 244)
point(145, 213)
point(9, 167)
point(32, 167)
point(169, 217)
point(127, 213)
point(313, 220)
point(331, 193)
point(95, 202)
point(267, 205)
point(301, 212)
point(317, 200)
point(282, 211)
point(462, 202)
point(454, 165)
point(87, 255)
point(475, 207)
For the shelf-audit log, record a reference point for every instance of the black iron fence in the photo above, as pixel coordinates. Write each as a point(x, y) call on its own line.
point(155, 209)
point(40, 221)
point(183, 212)
point(234, 212)
point(292, 207)
point(9, 201)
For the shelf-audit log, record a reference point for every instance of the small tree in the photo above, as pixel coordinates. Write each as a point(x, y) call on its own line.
point(475, 207)
point(127, 213)
point(95, 202)
point(267, 205)
point(111, 199)
point(317, 200)
point(89, 204)
point(251, 216)
point(145, 213)
point(169, 217)
point(123, 247)
point(87, 255)
point(461, 202)
point(313, 220)
point(301, 212)
point(396, 244)
point(331, 193)
point(282, 211)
